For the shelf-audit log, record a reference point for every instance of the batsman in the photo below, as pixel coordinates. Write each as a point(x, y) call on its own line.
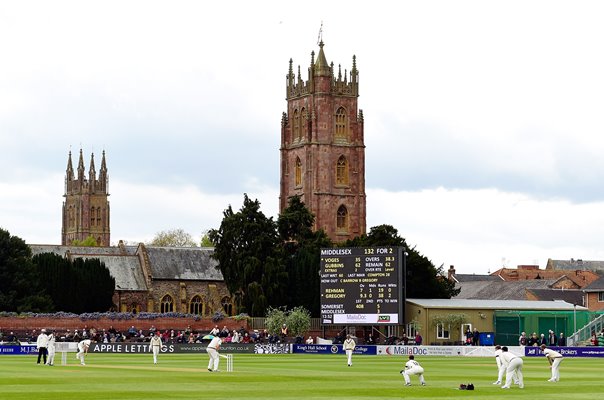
point(212, 350)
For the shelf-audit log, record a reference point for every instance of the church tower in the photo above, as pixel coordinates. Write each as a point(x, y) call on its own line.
point(323, 149)
point(86, 205)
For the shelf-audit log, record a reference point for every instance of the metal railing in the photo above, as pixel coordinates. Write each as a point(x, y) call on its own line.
point(584, 334)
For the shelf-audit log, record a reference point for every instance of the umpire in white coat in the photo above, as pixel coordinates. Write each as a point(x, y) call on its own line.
point(42, 345)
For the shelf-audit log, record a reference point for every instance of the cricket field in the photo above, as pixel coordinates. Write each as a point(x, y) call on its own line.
point(291, 376)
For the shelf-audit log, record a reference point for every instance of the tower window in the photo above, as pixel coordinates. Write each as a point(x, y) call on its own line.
point(298, 172)
point(342, 171)
point(167, 304)
point(341, 125)
point(342, 219)
point(304, 124)
point(296, 126)
point(92, 216)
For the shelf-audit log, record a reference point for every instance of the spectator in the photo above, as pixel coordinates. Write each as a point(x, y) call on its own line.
point(475, 337)
point(533, 340)
point(284, 333)
point(601, 339)
point(11, 338)
point(369, 339)
point(215, 331)
point(552, 340)
point(542, 340)
point(112, 330)
point(522, 340)
point(594, 339)
point(152, 331)
point(418, 339)
point(561, 339)
point(224, 332)
point(309, 340)
point(235, 337)
point(469, 337)
point(405, 339)
point(132, 331)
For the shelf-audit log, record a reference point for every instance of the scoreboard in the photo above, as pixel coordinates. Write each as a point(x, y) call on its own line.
point(362, 285)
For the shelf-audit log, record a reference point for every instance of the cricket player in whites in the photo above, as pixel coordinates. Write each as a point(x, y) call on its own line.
point(212, 350)
point(501, 367)
point(155, 345)
point(554, 358)
point(412, 367)
point(83, 350)
point(513, 368)
point(349, 346)
point(51, 349)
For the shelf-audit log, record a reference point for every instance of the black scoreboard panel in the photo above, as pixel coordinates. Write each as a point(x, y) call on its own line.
point(362, 285)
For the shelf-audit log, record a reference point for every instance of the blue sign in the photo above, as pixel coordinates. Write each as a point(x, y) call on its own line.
point(567, 351)
point(13, 350)
point(331, 349)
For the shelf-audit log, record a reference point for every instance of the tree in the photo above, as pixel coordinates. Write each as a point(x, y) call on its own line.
point(20, 288)
point(301, 252)
point(244, 247)
point(84, 285)
point(205, 240)
point(90, 241)
point(423, 279)
point(173, 238)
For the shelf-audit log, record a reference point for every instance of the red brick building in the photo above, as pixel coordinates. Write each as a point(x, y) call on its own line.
point(323, 149)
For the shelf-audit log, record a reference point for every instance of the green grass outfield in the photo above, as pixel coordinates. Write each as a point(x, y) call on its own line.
point(292, 376)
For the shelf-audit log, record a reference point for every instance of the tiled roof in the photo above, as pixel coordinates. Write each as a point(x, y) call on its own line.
point(503, 290)
point(124, 268)
point(475, 278)
point(496, 304)
point(596, 286)
point(123, 262)
point(574, 296)
point(575, 264)
point(183, 263)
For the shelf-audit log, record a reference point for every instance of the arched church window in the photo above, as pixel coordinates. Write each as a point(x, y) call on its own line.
point(342, 219)
point(227, 306)
point(341, 125)
point(196, 306)
point(342, 171)
point(296, 126)
point(167, 304)
point(298, 172)
point(303, 124)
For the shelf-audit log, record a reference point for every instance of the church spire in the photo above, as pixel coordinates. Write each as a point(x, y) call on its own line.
point(103, 179)
point(321, 65)
point(69, 174)
point(81, 166)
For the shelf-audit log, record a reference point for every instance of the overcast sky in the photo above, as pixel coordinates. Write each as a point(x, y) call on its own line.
point(483, 119)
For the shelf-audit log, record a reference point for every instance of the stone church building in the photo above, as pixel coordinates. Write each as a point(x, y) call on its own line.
point(147, 279)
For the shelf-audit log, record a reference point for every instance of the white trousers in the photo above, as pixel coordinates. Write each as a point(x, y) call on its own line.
point(419, 371)
point(155, 350)
point(556, 369)
point(51, 356)
point(214, 359)
point(514, 368)
point(81, 354)
point(349, 356)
